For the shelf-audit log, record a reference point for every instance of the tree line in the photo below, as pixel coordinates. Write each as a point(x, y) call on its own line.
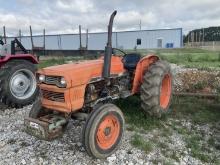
point(203, 34)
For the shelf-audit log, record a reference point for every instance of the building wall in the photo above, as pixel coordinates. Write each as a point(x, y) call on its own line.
point(97, 41)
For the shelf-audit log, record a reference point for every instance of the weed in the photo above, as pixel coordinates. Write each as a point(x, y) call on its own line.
point(162, 145)
point(194, 142)
point(24, 144)
point(139, 142)
point(189, 57)
point(11, 141)
point(166, 132)
point(199, 85)
point(211, 141)
point(174, 156)
point(131, 127)
point(219, 56)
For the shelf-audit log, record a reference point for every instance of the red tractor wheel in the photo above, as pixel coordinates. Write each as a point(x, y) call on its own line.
point(103, 131)
point(156, 89)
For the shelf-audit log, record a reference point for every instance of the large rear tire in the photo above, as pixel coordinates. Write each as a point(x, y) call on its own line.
point(103, 131)
point(156, 89)
point(18, 86)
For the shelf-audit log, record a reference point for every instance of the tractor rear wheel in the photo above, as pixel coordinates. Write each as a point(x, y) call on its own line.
point(103, 131)
point(18, 86)
point(156, 89)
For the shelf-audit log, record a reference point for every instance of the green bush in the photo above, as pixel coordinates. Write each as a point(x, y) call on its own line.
point(189, 57)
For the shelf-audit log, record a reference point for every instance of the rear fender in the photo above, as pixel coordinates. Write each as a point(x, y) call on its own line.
point(141, 68)
point(28, 57)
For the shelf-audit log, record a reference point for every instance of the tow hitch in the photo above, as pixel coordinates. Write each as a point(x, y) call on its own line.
point(46, 127)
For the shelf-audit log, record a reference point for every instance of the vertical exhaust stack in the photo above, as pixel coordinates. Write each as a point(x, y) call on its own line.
point(108, 49)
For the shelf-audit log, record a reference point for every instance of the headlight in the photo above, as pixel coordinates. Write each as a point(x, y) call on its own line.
point(62, 81)
point(41, 78)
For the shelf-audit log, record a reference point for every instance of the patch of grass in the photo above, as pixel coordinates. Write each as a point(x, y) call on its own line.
point(211, 141)
point(134, 114)
point(219, 56)
point(51, 62)
point(140, 143)
point(193, 142)
point(131, 127)
point(181, 130)
point(174, 156)
point(200, 111)
point(189, 57)
point(199, 85)
point(197, 110)
point(166, 132)
point(162, 145)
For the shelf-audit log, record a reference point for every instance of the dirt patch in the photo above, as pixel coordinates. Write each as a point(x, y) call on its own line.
point(195, 80)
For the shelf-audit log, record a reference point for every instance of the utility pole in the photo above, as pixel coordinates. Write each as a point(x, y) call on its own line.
point(19, 35)
point(203, 37)
point(196, 38)
point(80, 38)
point(32, 41)
point(188, 38)
point(44, 42)
point(87, 38)
point(140, 25)
point(4, 31)
point(192, 38)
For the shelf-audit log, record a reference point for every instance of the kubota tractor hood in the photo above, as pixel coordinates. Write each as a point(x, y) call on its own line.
point(78, 73)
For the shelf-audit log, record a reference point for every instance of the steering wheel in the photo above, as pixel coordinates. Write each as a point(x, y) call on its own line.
point(116, 49)
point(121, 51)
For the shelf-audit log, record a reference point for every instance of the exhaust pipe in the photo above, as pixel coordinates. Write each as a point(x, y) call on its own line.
point(108, 49)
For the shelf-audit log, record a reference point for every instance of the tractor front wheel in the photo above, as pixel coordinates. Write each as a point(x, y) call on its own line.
point(156, 89)
point(103, 131)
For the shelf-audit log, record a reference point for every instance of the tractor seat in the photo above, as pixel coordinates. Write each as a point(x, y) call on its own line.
point(130, 61)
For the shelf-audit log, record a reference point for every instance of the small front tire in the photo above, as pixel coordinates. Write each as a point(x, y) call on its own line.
point(103, 131)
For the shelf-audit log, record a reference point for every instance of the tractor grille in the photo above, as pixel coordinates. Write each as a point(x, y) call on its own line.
point(53, 80)
point(53, 96)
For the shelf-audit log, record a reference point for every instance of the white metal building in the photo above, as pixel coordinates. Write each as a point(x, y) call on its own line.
point(150, 39)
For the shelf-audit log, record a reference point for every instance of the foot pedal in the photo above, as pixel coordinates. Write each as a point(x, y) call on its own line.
point(46, 128)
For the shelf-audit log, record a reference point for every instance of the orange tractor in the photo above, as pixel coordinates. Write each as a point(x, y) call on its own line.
point(87, 90)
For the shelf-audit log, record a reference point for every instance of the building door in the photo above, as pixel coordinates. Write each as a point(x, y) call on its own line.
point(159, 43)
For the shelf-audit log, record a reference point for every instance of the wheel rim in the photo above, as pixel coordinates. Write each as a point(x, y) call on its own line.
point(108, 132)
point(165, 92)
point(22, 84)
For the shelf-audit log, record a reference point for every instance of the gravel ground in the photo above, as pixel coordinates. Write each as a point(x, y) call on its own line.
point(17, 147)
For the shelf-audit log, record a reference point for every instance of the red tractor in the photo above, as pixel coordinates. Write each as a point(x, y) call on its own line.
point(18, 85)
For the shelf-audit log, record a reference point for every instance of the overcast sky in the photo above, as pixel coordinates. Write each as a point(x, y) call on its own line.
point(64, 16)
